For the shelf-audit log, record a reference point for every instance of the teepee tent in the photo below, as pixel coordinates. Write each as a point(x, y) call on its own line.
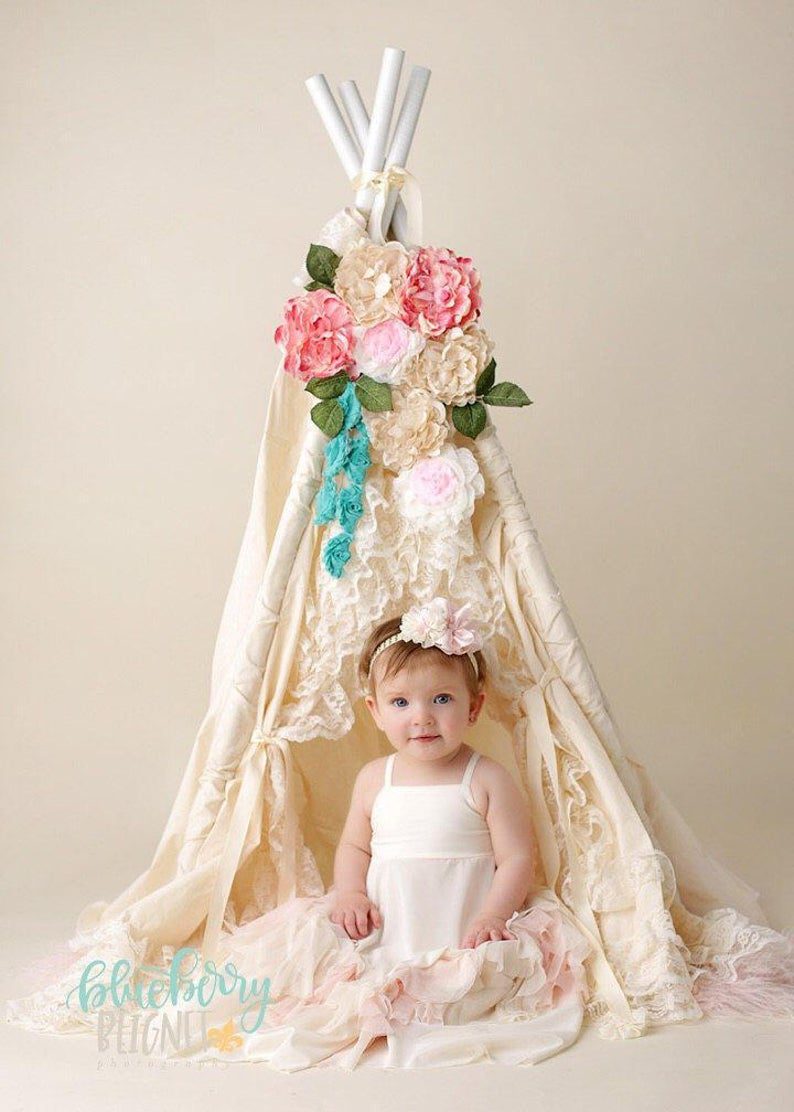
point(264, 796)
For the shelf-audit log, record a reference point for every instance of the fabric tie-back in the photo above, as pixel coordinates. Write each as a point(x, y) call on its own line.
point(384, 182)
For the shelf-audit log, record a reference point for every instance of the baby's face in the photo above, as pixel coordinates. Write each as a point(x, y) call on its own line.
point(425, 711)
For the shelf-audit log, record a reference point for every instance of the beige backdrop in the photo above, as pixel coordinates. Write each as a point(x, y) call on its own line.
point(621, 173)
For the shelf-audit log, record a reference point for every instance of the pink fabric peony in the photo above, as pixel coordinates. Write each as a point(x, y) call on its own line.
point(441, 290)
point(316, 335)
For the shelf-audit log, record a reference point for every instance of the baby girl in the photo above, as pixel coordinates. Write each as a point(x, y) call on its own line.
point(438, 847)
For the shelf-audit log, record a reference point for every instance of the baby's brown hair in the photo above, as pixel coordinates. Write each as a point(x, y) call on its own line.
point(402, 654)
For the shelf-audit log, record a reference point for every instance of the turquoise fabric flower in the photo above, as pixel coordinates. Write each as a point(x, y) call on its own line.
point(337, 553)
point(350, 507)
point(347, 458)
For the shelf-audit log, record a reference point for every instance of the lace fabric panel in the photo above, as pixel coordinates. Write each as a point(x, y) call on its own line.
point(393, 565)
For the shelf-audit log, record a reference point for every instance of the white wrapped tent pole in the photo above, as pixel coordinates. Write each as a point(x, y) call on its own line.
point(230, 744)
point(404, 131)
point(356, 111)
point(380, 121)
point(334, 123)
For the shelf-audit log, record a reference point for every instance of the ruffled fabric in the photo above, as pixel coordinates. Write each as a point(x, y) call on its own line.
point(329, 1002)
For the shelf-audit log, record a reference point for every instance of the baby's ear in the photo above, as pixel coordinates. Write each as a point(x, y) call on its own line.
point(372, 707)
point(476, 705)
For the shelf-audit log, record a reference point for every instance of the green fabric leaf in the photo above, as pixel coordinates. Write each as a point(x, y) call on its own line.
point(321, 263)
point(486, 379)
point(375, 396)
point(328, 416)
point(328, 387)
point(506, 393)
point(469, 419)
point(317, 286)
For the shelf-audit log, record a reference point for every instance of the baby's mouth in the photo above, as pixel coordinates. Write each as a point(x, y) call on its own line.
point(427, 737)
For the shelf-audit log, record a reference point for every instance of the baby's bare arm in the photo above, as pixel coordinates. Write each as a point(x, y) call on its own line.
point(510, 825)
point(351, 907)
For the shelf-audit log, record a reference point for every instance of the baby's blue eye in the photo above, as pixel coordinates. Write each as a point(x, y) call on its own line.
point(401, 701)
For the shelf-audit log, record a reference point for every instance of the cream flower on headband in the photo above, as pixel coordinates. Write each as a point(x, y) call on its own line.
point(438, 623)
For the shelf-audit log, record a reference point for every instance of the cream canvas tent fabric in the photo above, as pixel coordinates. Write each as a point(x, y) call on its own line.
point(267, 784)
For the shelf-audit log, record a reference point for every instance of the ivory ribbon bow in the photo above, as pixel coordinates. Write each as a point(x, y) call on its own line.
point(383, 182)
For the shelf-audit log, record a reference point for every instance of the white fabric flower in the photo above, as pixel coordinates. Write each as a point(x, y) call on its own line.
point(384, 350)
point(439, 491)
point(426, 625)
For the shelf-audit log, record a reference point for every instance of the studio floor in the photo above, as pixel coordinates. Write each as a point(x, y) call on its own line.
point(708, 1066)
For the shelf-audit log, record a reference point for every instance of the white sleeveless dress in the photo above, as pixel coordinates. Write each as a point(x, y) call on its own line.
point(407, 995)
point(432, 865)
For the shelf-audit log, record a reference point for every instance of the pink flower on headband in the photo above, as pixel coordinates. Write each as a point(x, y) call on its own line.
point(438, 623)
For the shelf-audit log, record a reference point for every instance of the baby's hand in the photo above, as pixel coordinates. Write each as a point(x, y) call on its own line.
point(485, 928)
point(353, 911)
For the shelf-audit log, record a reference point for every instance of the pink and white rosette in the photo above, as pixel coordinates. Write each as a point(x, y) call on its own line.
point(439, 491)
point(439, 623)
point(385, 350)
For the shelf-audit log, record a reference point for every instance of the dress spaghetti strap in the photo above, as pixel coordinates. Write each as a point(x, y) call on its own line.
point(465, 783)
point(389, 767)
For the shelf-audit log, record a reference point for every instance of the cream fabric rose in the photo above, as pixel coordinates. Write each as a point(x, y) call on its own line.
point(448, 368)
point(417, 426)
point(439, 492)
point(369, 278)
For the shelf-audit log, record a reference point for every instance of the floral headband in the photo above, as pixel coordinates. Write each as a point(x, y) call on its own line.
point(437, 624)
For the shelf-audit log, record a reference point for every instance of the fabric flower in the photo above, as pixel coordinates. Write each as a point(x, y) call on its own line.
point(449, 367)
point(350, 507)
point(426, 625)
point(360, 456)
point(438, 623)
point(416, 426)
point(439, 491)
point(383, 351)
point(336, 553)
point(441, 290)
point(316, 335)
point(369, 278)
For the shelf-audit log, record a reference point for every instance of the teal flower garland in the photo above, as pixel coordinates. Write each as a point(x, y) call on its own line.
point(346, 454)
